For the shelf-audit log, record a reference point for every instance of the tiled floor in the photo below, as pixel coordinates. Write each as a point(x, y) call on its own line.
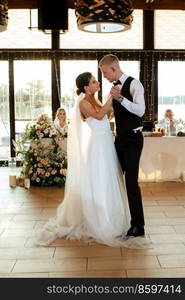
point(23, 212)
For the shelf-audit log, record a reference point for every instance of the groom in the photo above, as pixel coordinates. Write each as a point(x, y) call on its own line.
point(129, 107)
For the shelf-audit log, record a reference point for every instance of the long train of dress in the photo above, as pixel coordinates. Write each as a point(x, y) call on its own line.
point(98, 208)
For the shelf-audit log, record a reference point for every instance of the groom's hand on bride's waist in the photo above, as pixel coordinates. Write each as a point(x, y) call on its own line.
point(116, 93)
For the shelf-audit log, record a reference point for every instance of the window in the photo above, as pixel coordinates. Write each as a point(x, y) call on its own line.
point(18, 35)
point(32, 91)
point(4, 112)
point(131, 39)
point(169, 29)
point(171, 88)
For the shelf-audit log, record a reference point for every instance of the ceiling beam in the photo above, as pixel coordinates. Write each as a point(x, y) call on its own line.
point(137, 4)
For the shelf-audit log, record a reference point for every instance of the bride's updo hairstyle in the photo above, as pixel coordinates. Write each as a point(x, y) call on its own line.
point(81, 81)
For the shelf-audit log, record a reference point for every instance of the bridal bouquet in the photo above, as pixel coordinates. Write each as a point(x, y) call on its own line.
point(44, 162)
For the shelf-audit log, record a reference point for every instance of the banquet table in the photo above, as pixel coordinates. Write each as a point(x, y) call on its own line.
point(162, 159)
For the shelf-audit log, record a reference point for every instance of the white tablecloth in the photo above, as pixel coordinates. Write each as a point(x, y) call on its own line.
point(162, 159)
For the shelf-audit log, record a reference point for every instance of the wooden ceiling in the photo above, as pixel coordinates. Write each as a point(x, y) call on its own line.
point(137, 4)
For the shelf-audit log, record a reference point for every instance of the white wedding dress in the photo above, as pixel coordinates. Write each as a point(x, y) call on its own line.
point(95, 206)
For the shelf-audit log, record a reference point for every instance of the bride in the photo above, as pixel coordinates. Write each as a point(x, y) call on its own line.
point(95, 204)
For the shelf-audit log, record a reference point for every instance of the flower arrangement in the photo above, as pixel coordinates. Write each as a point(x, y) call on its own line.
point(43, 128)
point(44, 163)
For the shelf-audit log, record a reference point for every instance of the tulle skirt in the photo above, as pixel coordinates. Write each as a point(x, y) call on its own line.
point(96, 209)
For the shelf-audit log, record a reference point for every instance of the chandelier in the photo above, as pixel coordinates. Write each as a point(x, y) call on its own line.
point(3, 15)
point(103, 16)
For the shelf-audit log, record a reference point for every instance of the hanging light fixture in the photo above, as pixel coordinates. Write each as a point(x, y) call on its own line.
point(104, 16)
point(3, 15)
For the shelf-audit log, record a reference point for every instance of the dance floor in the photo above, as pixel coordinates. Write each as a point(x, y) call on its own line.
point(23, 212)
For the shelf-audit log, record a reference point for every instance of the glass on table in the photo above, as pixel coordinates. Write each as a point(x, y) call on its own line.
point(163, 131)
point(157, 127)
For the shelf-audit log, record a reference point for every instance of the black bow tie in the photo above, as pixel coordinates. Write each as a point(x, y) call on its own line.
point(117, 82)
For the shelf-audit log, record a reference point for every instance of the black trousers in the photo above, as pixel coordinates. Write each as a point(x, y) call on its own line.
point(129, 148)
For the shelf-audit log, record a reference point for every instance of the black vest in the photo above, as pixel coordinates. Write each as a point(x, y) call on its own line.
point(125, 120)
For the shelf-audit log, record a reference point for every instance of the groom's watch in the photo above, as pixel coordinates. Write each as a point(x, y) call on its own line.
point(120, 100)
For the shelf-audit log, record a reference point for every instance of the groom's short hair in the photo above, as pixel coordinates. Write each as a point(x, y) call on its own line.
point(108, 59)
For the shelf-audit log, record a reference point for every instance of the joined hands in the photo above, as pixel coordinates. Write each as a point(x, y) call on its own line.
point(115, 92)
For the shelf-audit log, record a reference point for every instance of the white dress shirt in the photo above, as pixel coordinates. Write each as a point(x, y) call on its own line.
point(136, 107)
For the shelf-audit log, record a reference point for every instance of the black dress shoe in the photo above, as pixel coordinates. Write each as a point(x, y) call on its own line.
point(130, 231)
point(136, 231)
